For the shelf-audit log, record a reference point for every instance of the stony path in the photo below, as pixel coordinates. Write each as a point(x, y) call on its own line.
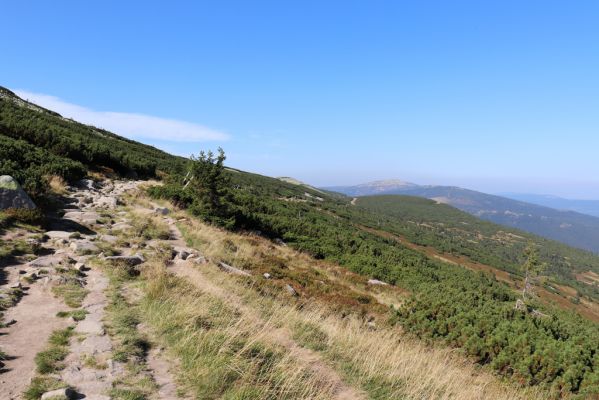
point(93, 215)
point(35, 317)
point(70, 244)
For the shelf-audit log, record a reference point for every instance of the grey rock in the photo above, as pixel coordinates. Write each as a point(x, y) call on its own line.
point(12, 194)
point(80, 267)
point(107, 202)
point(58, 234)
point(162, 210)
point(95, 344)
point(291, 290)
point(197, 259)
point(90, 326)
point(266, 275)
point(109, 239)
point(232, 270)
point(182, 252)
point(121, 226)
point(84, 247)
point(86, 184)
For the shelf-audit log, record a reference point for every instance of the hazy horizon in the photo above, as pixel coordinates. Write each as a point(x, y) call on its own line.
point(491, 97)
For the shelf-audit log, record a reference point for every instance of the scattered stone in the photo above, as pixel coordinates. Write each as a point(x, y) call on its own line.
point(59, 394)
point(162, 210)
point(199, 260)
point(84, 247)
point(84, 217)
point(109, 239)
point(15, 286)
point(291, 290)
point(107, 202)
point(30, 276)
point(182, 252)
point(12, 194)
point(81, 267)
point(121, 226)
point(58, 234)
point(377, 282)
point(280, 242)
point(232, 270)
point(266, 275)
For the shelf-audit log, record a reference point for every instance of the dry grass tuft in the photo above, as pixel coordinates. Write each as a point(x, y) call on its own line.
point(57, 184)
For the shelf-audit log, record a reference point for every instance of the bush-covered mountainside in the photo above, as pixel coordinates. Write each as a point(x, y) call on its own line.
point(569, 227)
point(541, 343)
point(449, 230)
point(35, 142)
point(471, 310)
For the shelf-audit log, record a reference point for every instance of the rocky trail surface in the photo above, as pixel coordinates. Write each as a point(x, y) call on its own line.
point(66, 279)
point(66, 255)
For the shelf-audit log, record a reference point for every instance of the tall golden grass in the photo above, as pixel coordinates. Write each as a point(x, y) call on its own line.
point(240, 338)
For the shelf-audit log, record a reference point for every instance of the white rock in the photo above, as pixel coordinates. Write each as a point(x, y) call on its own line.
point(65, 393)
point(377, 282)
point(232, 270)
point(291, 290)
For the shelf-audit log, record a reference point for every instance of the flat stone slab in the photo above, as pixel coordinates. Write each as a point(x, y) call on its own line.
point(95, 344)
point(49, 261)
point(58, 234)
point(90, 327)
point(232, 270)
point(86, 217)
point(121, 226)
point(84, 247)
point(109, 239)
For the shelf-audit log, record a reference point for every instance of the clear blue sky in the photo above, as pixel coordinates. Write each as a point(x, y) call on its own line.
point(497, 96)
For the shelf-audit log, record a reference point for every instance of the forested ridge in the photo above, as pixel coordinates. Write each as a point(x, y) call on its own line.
point(67, 148)
point(447, 303)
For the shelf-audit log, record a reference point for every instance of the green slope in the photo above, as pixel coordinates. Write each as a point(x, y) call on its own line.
point(451, 304)
point(450, 230)
point(36, 142)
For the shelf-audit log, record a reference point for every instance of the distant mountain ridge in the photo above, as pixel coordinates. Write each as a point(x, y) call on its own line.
point(570, 227)
point(590, 207)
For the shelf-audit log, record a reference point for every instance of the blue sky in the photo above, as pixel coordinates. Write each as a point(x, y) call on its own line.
point(497, 96)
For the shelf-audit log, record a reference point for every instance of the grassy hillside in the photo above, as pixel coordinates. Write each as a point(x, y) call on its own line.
point(35, 142)
point(446, 303)
point(473, 311)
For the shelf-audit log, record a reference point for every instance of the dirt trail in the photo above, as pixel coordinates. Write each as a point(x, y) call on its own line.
point(35, 314)
point(35, 317)
point(280, 336)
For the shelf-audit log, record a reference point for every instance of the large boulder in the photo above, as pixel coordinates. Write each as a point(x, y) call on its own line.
point(12, 195)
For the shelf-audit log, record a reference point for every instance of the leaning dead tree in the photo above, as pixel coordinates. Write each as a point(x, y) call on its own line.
point(187, 179)
point(532, 269)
